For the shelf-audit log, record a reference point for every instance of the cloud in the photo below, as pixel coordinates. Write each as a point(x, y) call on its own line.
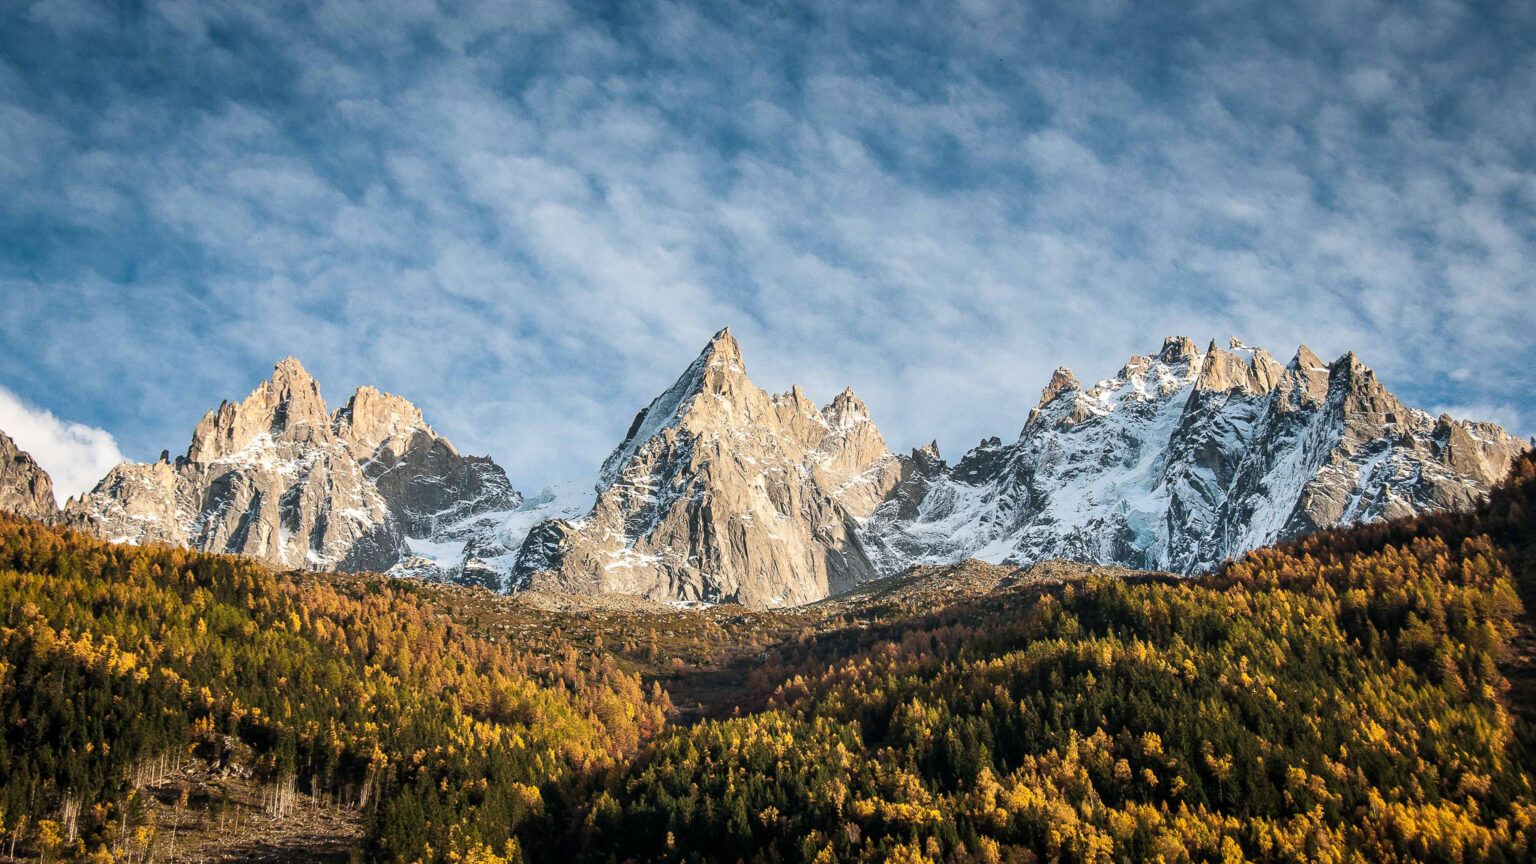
point(75, 456)
point(528, 217)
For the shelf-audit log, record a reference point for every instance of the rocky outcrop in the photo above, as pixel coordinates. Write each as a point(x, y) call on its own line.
point(279, 477)
point(1186, 458)
point(721, 492)
point(25, 488)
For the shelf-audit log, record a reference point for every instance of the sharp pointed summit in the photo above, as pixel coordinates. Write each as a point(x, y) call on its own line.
point(278, 477)
point(285, 407)
point(1062, 381)
point(718, 370)
point(1186, 459)
point(720, 491)
point(1179, 349)
point(720, 366)
point(25, 488)
point(1239, 367)
point(289, 372)
point(724, 345)
point(846, 409)
point(1305, 359)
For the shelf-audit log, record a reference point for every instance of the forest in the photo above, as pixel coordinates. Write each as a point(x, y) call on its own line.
point(1352, 696)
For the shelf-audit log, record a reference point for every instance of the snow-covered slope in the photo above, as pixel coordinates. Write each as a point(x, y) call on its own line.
point(1186, 458)
point(482, 548)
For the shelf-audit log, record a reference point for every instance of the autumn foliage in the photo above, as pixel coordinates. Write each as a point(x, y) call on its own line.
point(111, 657)
point(1342, 697)
point(1337, 699)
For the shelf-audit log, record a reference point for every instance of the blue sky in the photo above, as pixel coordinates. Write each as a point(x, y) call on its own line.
point(528, 217)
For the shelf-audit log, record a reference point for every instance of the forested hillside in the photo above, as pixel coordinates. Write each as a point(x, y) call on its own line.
point(1341, 698)
point(115, 657)
point(1338, 699)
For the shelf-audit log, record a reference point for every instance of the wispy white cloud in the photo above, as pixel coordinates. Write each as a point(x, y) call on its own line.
point(527, 216)
point(75, 456)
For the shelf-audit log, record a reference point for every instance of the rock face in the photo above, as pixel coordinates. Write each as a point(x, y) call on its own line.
point(1186, 458)
point(722, 492)
point(280, 478)
point(25, 488)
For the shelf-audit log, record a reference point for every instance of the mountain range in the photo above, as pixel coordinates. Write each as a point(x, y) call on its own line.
point(1186, 458)
point(280, 477)
point(722, 492)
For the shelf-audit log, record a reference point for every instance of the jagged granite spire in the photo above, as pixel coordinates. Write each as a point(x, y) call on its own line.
point(714, 371)
point(285, 407)
point(1187, 458)
point(1062, 381)
point(278, 477)
point(25, 488)
point(720, 491)
point(1179, 350)
point(1249, 370)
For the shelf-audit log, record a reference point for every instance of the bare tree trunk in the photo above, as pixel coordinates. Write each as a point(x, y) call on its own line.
point(69, 815)
point(284, 792)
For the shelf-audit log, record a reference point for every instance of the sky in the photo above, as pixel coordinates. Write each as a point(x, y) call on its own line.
point(529, 217)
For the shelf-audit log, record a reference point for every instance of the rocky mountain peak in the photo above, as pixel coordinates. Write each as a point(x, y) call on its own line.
point(1349, 366)
point(25, 488)
point(1369, 409)
point(714, 371)
point(927, 453)
point(1305, 382)
point(723, 346)
point(845, 409)
point(721, 368)
point(721, 491)
point(1179, 349)
point(850, 445)
point(289, 374)
point(287, 407)
point(1249, 370)
point(278, 478)
point(1062, 381)
point(292, 400)
point(372, 419)
point(1307, 360)
point(1350, 373)
point(797, 398)
point(1179, 464)
point(1138, 364)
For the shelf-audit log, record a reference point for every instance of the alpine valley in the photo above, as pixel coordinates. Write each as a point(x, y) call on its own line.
point(683, 593)
point(1213, 609)
point(721, 492)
